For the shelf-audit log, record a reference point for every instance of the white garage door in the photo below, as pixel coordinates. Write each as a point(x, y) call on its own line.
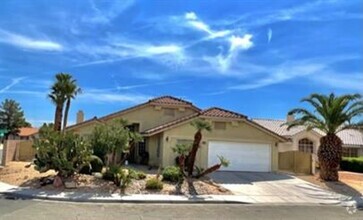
point(242, 156)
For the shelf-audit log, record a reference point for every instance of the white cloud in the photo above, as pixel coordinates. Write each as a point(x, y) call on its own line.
point(105, 11)
point(123, 49)
point(191, 16)
point(269, 35)
point(316, 69)
point(28, 43)
point(195, 22)
point(238, 43)
point(165, 49)
point(13, 83)
point(109, 97)
point(345, 81)
point(42, 94)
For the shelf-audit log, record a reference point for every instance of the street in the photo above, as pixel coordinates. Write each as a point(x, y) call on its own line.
point(31, 209)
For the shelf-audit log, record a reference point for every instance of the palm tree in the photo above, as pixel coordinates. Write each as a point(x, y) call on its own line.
point(71, 91)
point(63, 90)
point(200, 125)
point(331, 114)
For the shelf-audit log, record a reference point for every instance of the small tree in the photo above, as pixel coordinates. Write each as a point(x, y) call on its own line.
point(113, 138)
point(12, 117)
point(189, 161)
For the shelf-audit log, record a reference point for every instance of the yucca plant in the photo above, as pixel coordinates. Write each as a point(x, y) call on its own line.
point(331, 114)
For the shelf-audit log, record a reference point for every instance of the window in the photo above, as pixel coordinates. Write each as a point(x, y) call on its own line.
point(220, 125)
point(169, 112)
point(306, 145)
point(350, 152)
point(134, 127)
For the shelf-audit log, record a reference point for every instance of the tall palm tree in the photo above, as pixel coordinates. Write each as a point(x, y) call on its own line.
point(200, 125)
point(71, 91)
point(330, 114)
point(61, 92)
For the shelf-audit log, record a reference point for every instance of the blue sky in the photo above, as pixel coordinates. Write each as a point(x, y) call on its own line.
point(258, 58)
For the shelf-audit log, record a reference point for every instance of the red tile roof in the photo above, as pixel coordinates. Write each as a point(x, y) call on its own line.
point(24, 132)
point(348, 136)
point(222, 113)
point(170, 124)
point(169, 100)
point(211, 112)
point(162, 100)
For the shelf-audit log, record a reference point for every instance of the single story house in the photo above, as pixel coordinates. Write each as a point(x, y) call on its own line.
point(299, 139)
point(25, 133)
point(165, 122)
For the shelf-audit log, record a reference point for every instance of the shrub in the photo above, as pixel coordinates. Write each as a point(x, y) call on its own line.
point(136, 174)
point(95, 165)
point(154, 183)
point(123, 178)
point(172, 174)
point(65, 153)
point(111, 172)
point(354, 164)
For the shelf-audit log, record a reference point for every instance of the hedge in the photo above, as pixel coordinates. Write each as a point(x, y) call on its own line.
point(354, 164)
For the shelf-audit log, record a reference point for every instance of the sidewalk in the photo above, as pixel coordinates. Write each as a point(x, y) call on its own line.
point(27, 193)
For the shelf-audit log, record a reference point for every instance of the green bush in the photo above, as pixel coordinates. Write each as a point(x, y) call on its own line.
point(354, 164)
point(95, 165)
point(123, 178)
point(154, 183)
point(136, 174)
point(111, 172)
point(172, 174)
point(65, 153)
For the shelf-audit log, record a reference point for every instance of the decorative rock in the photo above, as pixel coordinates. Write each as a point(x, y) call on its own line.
point(97, 175)
point(57, 182)
point(70, 184)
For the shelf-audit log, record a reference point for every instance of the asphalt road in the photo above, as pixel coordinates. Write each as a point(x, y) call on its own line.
point(38, 210)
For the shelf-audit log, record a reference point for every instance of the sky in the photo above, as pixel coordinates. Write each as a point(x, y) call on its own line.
point(258, 58)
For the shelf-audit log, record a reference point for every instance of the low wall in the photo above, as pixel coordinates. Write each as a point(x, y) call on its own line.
point(15, 150)
point(26, 152)
point(10, 151)
point(296, 161)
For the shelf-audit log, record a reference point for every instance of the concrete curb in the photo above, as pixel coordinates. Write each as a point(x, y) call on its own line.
point(128, 199)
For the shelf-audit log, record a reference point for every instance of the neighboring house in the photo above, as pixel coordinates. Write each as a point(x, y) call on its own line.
point(299, 139)
point(165, 121)
point(25, 134)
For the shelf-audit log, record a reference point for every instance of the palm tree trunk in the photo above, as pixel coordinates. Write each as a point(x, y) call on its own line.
point(330, 154)
point(65, 119)
point(193, 152)
point(58, 117)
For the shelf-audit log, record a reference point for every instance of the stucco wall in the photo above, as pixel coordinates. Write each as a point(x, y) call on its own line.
point(239, 132)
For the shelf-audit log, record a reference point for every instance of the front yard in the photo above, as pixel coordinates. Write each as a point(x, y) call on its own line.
point(15, 173)
point(350, 183)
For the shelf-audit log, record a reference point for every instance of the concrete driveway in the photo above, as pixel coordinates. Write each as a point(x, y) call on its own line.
point(274, 188)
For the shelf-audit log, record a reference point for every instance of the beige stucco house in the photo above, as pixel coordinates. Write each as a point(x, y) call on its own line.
point(299, 139)
point(165, 121)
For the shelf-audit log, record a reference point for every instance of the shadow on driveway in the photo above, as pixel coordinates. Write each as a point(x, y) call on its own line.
point(232, 177)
